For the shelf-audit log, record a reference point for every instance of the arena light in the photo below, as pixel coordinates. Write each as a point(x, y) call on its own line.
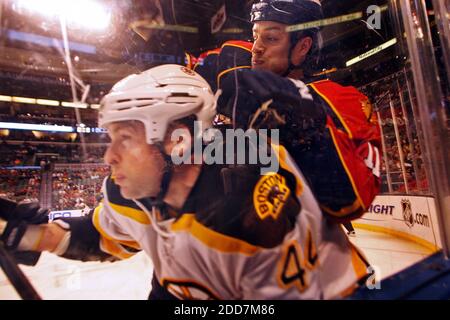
point(81, 13)
point(45, 102)
point(36, 127)
point(48, 41)
point(22, 168)
point(5, 98)
point(74, 105)
point(371, 52)
point(24, 100)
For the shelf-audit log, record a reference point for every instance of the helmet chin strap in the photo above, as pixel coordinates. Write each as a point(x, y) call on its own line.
point(157, 203)
point(167, 175)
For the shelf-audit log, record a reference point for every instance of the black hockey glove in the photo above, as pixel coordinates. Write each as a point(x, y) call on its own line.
point(262, 99)
point(19, 217)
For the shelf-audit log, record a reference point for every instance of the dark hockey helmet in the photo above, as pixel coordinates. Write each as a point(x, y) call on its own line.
point(288, 12)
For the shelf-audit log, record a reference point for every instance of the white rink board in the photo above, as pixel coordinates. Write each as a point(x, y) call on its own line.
point(66, 214)
point(412, 217)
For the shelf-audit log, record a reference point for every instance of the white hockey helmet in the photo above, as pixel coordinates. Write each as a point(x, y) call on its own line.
point(157, 97)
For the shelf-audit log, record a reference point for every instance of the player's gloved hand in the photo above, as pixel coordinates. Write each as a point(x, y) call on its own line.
point(19, 219)
point(262, 99)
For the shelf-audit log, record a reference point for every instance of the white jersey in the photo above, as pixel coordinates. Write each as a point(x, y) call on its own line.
point(262, 238)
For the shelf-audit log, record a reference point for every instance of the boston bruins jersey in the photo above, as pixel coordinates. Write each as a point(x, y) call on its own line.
point(239, 235)
point(343, 166)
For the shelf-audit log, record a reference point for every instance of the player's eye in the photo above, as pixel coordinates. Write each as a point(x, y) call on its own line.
point(270, 38)
point(125, 136)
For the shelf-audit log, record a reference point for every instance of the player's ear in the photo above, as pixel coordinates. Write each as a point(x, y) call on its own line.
point(301, 49)
point(178, 141)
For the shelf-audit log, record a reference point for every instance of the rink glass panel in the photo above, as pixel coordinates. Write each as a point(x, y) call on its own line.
point(365, 46)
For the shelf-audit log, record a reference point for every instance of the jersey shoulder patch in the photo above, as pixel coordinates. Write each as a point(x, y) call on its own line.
point(258, 209)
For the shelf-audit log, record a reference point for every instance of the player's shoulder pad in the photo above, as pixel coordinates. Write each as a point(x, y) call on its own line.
point(234, 55)
point(351, 106)
point(239, 201)
point(337, 89)
point(275, 209)
point(206, 65)
point(206, 56)
point(258, 209)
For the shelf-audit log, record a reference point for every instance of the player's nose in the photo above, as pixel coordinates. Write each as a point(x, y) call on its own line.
point(111, 156)
point(257, 48)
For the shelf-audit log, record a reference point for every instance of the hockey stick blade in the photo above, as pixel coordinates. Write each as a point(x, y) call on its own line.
point(15, 275)
point(8, 264)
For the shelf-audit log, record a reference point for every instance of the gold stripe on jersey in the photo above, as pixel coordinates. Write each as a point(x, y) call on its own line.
point(96, 222)
point(345, 211)
point(359, 265)
point(114, 249)
point(211, 238)
point(188, 289)
point(186, 292)
point(358, 203)
point(134, 214)
point(334, 109)
point(229, 70)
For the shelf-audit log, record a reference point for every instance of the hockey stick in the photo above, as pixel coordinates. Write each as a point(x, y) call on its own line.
point(15, 275)
point(8, 264)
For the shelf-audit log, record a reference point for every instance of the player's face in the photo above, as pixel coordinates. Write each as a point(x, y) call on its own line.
point(137, 167)
point(271, 47)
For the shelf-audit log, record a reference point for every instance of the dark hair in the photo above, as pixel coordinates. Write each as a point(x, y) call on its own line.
point(188, 122)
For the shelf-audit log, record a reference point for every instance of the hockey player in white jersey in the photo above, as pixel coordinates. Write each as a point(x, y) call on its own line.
point(213, 231)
